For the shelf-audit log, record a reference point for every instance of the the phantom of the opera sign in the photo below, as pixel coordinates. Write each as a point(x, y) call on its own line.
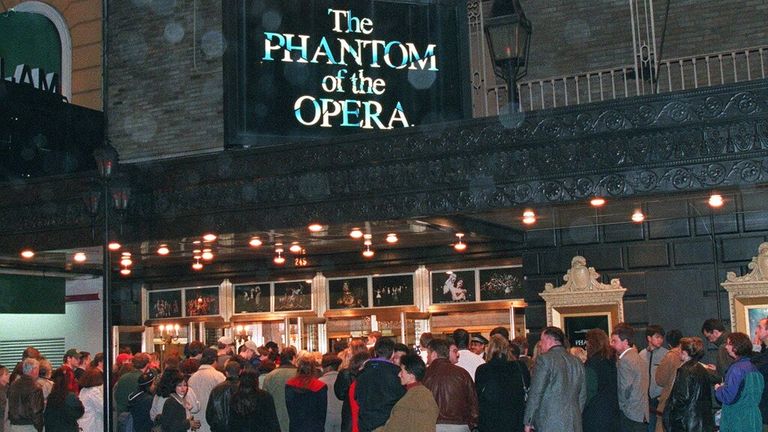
point(316, 69)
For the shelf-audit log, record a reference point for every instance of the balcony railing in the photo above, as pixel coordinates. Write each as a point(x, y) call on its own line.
point(682, 73)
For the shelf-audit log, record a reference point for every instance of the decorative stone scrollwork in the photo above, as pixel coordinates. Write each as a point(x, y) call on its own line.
point(582, 278)
point(759, 267)
point(748, 290)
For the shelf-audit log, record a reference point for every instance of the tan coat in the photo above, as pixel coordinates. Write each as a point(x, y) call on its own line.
point(665, 377)
point(415, 412)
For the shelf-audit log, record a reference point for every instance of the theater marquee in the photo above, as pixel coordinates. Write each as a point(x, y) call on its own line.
point(316, 69)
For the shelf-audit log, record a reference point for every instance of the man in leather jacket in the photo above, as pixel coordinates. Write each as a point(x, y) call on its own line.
point(217, 411)
point(453, 390)
point(25, 399)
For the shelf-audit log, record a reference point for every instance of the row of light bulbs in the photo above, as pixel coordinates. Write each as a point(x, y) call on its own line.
point(202, 254)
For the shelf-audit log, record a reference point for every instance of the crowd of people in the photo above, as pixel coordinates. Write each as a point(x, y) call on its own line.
point(461, 383)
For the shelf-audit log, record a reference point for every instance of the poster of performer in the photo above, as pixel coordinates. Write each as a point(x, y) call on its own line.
point(393, 290)
point(348, 293)
point(501, 283)
point(291, 296)
point(202, 301)
point(165, 304)
point(252, 298)
point(453, 286)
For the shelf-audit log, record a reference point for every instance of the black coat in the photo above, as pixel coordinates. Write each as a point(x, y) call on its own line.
point(689, 408)
point(139, 404)
point(378, 390)
point(63, 418)
point(253, 411)
point(501, 388)
point(219, 403)
point(601, 413)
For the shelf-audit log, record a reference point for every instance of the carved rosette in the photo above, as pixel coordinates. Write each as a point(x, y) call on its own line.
point(583, 289)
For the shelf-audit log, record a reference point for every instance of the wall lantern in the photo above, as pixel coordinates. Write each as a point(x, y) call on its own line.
point(508, 33)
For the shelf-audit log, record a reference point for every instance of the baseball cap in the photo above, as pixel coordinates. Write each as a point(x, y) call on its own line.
point(479, 339)
point(226, 340)
point(72, 352)
point(251, 345)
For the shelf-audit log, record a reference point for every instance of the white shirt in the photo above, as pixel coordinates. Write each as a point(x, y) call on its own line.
point(469, 361)
point(202, 382)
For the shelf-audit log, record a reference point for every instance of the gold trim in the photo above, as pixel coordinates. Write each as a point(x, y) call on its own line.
point(185, 320)
point(476, 306)
point(271, 316)
point(382, 311)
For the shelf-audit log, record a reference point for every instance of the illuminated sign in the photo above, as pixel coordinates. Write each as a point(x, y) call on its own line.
point(315, 69)
point(36, 77)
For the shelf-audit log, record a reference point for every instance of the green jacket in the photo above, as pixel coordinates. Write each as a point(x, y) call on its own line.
point(127, 384)
point(744, 414)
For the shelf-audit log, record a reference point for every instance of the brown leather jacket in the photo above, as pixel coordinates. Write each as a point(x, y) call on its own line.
point(454, 392)
point(26, 403)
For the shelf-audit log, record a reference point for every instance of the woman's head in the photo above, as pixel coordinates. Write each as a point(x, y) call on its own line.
point(249, 380)
point(598, 344)
point(60, 387)
point(92, 378)
point(169, 381)
point(738, 345)
point(693, 347)
point(306, 367)
point(358, 360)
point(498, 347)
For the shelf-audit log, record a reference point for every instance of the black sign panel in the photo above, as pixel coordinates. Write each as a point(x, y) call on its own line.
point(298, 69)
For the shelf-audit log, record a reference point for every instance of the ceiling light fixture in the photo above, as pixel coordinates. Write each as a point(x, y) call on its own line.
point(197, 254)
point(529, 217)
point(295, 247)
point(356, 233)
point(163, 250)
point(207, 254)
point(27, 253)
point(597, 201)
point(197, 265)
point(368, 252)
point(638, 216)
point(255, 242)
point(460, 245)
point(392, 238)
point(315, 227)
point(126, 261)
point(113, 246)
point(125, 271)
point(716, 200)
point(209, 237)
point(279, 258)
point(80, 257)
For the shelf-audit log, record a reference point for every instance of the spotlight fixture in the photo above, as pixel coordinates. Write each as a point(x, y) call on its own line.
point(315, 227)
point(638, 216)
point(279, 258)
point(392, 238)
point(197, 265)
point(716, 200)
point(529, 217)
point(356, 233)
point(163, 250)
point(209, 237)
point(460, 245)
point(207, 254)
point(27, 253)
point(295, 247)
point(80, 257)
point(597, 201)
point(255, 242)
point(113, 246)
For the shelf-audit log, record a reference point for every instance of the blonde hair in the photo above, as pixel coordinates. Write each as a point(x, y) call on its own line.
point(498, 346)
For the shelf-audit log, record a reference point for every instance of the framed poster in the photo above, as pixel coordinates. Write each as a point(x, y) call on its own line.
point(348, 293)
point(453, 286)
point(754, 315)
point(292, 296)
point(577, 326)
point(202, 301)
point(394, 290)
point(164, 304)
point(501, 283)
point(251, 298)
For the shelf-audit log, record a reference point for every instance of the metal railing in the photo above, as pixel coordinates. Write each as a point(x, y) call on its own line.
point(681, 73)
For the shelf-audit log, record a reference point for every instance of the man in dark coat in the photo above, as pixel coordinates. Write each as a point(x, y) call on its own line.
point(378, 387)
point(219, 403)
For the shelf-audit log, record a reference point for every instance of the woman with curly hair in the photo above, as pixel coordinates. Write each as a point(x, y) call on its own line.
point(63, 407)
point(176, 416)
point(743, 387)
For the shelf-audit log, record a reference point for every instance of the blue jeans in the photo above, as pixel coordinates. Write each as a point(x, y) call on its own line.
point(653, 405)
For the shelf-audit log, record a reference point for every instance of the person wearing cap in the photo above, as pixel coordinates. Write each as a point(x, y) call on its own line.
point(70, 362)
point(129, 382)
point(477, 344)
point(226, 346)
point(140, 402)
point(204, 380)
point(468, 360)
point(250, 354)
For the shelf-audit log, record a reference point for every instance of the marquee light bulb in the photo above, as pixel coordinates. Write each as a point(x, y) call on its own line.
point(210, 237)
point(392, 238)
point(113, 246)
point(255, 242)
point(295, 248)
point(315, 227)
point(207, 254)
point(163, 250)
point(597, 201)
point(27, 253)
point(356, 233)
point(80, 257)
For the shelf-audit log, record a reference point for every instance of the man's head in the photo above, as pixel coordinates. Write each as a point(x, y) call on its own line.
point(424, 340)
point(761, 331)
point(712, 329)
point(551, 337)
point(384, 348)
point(31, 367)
point(85, 358)
point(521, 342)
point(250, 349)
point(141, 362)
point(330, 362)
point(412, 369)
point(30, 352)
point(374, 337)
point(478, 343)
point(209, 356)
point(621, 337)
point(453, 352)
point(438, 348)
point(98, 361)
point(226, 345)
point(232, 369)
point(46, 368)
point(399, 350)
point(500, 330)
point(673, 338)
point(738, 345)
point(287, 355)
point(195, 348)
point(5, 376)
point(461, 338)
point(72, 358)
point(654, 335)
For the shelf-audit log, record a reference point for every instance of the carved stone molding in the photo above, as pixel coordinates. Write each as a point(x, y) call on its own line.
point(748, 290)
point(582, 291)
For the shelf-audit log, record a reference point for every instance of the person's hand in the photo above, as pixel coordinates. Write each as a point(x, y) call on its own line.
point(717, 386)
point(710, 366)
point(529, 428)
point(194, 424)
